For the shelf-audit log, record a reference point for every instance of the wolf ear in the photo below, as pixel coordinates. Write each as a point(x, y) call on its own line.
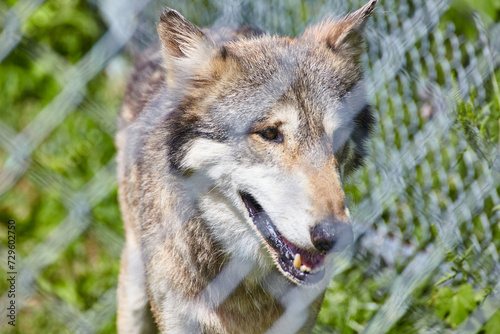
point(184, 46)
point(178, 36)
point(346, 35)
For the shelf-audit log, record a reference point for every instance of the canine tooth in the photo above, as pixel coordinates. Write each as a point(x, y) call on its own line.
point(297, 261)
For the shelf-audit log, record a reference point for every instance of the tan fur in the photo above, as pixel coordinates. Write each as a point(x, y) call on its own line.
point(326, 181)
point(189, 238)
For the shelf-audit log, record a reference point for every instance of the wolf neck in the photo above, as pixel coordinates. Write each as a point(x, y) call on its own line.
point(224, 285)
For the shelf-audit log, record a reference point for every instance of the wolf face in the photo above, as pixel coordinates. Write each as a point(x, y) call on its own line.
point(233, 144)
point(271, 125)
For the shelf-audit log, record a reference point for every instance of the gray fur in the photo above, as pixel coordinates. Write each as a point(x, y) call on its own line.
point(190, 141)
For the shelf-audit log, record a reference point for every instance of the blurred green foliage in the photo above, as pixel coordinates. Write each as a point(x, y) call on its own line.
point(462, 13)
point(454, 306)
point(56, 37)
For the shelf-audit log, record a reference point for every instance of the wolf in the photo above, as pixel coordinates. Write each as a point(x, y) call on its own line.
point(233, 146)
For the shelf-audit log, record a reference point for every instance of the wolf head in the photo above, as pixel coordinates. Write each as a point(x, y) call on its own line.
point(263, 131)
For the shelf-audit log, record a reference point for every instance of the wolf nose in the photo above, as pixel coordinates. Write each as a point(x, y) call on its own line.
point(331, 234)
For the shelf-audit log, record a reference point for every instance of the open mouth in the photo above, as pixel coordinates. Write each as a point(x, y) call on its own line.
point(300, 265)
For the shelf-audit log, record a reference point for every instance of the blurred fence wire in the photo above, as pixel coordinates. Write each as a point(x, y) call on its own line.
point(428, 190)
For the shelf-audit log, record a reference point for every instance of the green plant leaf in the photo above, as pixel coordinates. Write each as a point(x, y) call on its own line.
point(462, 302)
point(454, 307)
point(443, 300)
point(493, 324)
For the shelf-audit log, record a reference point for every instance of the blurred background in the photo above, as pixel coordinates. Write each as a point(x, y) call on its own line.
point(426, 208)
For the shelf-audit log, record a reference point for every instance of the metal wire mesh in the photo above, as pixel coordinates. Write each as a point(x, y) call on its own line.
point(423, 191)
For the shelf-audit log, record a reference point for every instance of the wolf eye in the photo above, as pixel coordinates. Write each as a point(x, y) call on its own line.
point(271, 134)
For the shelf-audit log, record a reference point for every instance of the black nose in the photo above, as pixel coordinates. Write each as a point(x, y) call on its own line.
point(331, 234)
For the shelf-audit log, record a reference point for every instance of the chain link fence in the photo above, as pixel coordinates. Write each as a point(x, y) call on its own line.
point(427, 208)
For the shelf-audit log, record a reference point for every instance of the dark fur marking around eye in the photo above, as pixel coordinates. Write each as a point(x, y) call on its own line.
point(183, 128)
